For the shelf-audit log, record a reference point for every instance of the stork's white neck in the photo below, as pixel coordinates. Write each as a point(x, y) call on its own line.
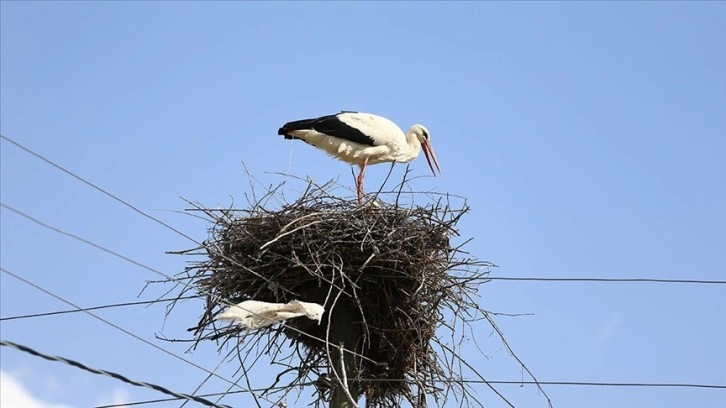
point(414, 147)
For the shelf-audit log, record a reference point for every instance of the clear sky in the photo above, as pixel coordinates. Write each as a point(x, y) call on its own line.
point(588, 138)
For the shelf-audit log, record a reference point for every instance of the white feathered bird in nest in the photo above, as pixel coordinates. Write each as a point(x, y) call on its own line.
point(363, 139)
point(254, 314)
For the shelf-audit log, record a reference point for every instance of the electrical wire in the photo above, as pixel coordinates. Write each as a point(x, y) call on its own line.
point(495, 382)
point(117, 327)
point(150, 302)
point(564, 383)
point(111, 374)
point(99, 189)
point(620, 280)
point(109, 306)
point(213, 394)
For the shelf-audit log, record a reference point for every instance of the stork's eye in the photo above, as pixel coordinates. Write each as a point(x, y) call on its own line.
point(425, 134)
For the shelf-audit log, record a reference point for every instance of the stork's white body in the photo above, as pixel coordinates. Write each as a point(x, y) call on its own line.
point(254, 314)
point(362, 139)
point(388, 142)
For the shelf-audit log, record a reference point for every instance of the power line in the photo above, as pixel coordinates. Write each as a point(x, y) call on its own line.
point(101, 190)
point(495, 382)
point(623, 280)
point(66, 311)
point(117, 327)
point(564, 383)
point(85, 241)
point(504, 278)
point(111, 374)
point(213, 394)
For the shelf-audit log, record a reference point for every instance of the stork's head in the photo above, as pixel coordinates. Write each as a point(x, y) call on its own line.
point(313, 311)
point(423, 136)
point(316, 315)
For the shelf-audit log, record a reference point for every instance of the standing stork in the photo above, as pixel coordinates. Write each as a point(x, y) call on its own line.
point(363, 139)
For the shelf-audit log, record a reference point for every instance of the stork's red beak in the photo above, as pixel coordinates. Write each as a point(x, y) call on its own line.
point(430, 155)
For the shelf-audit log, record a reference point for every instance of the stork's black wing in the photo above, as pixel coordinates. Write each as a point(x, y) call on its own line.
point(331, 125)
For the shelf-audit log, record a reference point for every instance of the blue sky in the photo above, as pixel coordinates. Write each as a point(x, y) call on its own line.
point(588, 138)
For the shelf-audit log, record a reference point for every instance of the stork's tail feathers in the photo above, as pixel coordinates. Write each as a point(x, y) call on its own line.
point(287, 128)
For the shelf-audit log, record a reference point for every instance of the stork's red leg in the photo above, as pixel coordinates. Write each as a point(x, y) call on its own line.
point(360, 181)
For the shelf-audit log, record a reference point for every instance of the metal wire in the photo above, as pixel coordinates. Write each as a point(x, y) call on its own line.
point(120, 328)
point(109, 306)
point(111, 374)
point(596, 279)
point(496, 382)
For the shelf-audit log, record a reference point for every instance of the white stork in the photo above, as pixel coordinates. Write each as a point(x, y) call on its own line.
point(254, 314)
point(363, 139)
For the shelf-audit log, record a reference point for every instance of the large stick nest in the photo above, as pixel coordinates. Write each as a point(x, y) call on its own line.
point(389, 271)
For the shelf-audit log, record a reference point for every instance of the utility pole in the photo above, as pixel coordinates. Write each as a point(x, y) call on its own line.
point(346, 333)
